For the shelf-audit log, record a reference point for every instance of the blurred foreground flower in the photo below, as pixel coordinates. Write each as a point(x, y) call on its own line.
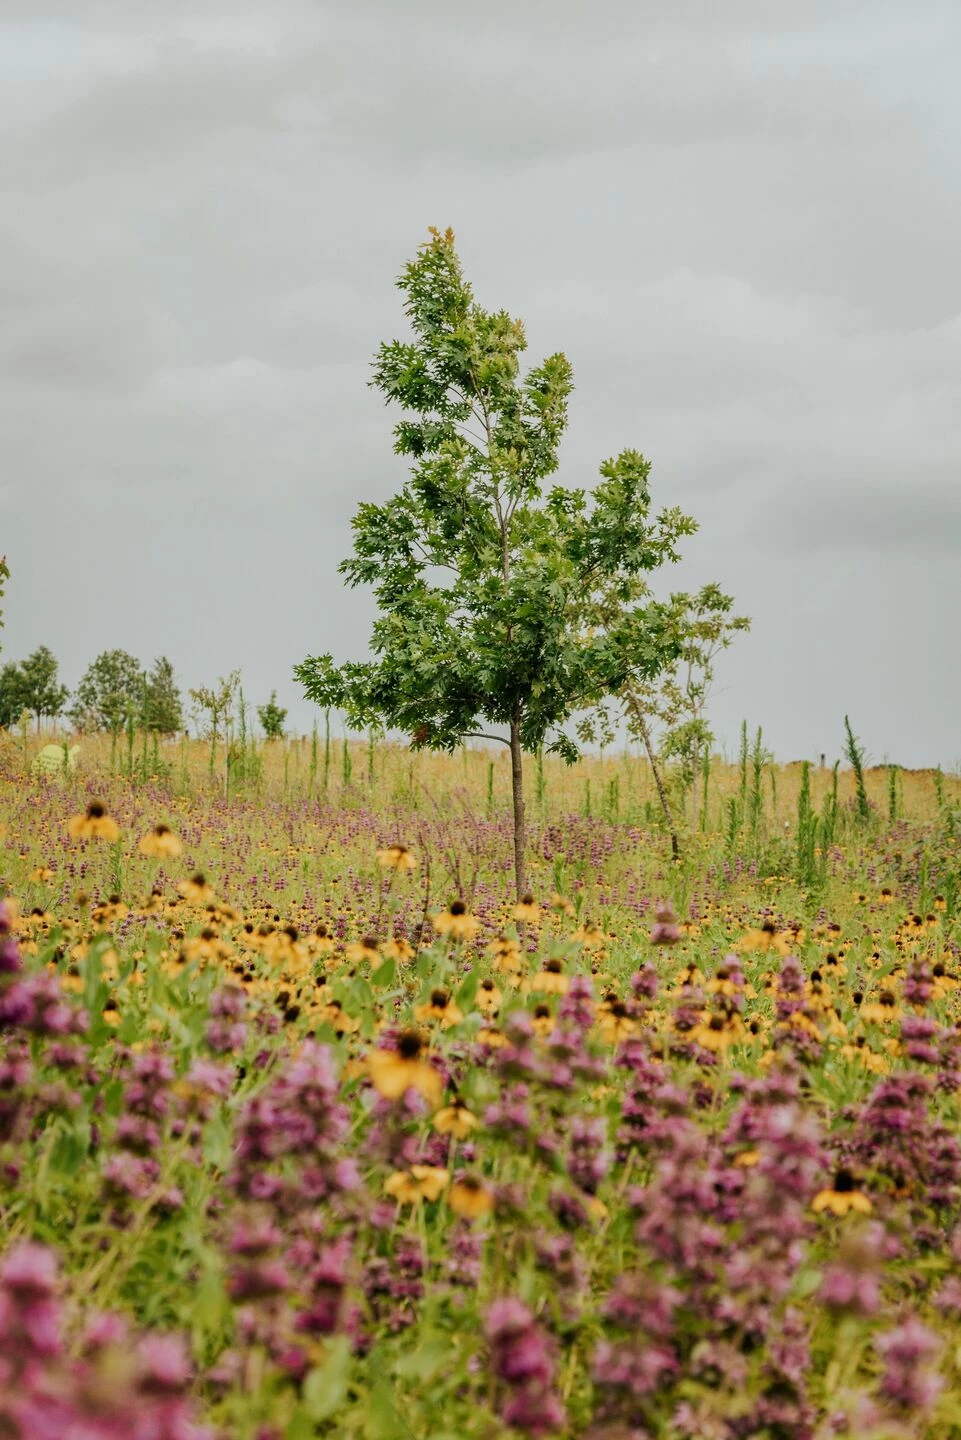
point(420, 1182)
point(395, 1071)
point(456, 922)
point(160, 842)
point(396, 857)
point(93, 824)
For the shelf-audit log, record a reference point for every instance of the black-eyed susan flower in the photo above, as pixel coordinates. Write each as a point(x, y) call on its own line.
point(420, 1182)
point(506, 954)
point(396, 857)
point(613, 1023)
point(562, 905)
point(551, 980)
point(841, 1197)
point(337, 1018)
point(489, 997)
point(883, 1011)
point(491, 1038)
point(765, 939)
point(196, 890)
point(363, 951)
point(93, 824)
point(160, 843)
point(591, 936)
point(439, 1007)
point(399, 949)
point(542, 1022)
point(395, 1071)
point(41, 874)
point(470, 1198)
point(457, 922)
point(527, 911)
point(456, 1120)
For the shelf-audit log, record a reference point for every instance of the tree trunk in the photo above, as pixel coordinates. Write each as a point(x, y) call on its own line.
point(658, 780)
point(520, 820)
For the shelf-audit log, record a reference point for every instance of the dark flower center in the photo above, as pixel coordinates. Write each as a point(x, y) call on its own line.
point(408, 1044)
point(457, 907)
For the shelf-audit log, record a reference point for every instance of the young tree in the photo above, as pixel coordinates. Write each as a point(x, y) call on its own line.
point(12, 700)
point(272, 717)
point(667, 712)
point(486, 581)
point(42, 694)
point(111, 686)
point(164, 706)
point(213, 709)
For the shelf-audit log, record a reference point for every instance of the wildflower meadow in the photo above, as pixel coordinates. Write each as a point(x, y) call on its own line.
point(310, 1127)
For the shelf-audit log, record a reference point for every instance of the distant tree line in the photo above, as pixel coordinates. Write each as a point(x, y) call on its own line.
point(116, 691)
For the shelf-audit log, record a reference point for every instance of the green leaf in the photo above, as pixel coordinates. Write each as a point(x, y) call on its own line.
point(325, 1387)
point(384, 974)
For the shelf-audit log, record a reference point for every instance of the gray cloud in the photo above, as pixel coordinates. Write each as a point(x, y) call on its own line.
point(741, 222)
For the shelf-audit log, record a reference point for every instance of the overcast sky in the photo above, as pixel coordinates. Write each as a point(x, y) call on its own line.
point(740, 219)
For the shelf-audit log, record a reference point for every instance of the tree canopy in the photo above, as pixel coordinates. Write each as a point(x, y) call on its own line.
point(488, 579)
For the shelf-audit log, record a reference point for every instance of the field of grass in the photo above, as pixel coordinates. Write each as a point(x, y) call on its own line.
point(306, 1129)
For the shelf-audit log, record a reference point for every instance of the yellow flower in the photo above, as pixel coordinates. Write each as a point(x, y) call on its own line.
point(196, 890)
point(591, 937)
point(321, 943)
point(456, 922)
point(455, 1120)
point(507, 955)
point(420, 1182)
point(765, 939)
point(93, 824)
point(613, 1023)
point(718, 1033)
point(550, 980)
point(492, 1038)
point(42, 872)
point(396, 857)
point(337, 1018)
point(527, 911)
point(160, 842)
point(360, 950)
point(883, 1011)
point(561, 904)
point(841, 1197)
point(489, 998)
point(394, 1072)
point(543, 1022)
point(111, 1014)
point(399, 949)
point(470, 1198)
point(439, 1007)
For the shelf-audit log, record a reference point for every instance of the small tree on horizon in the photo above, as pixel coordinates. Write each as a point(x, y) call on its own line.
point(272, 717)
point(487, 582)
point(213, 707)
point(111, 687)
point(41, 692)
point(164, 707)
